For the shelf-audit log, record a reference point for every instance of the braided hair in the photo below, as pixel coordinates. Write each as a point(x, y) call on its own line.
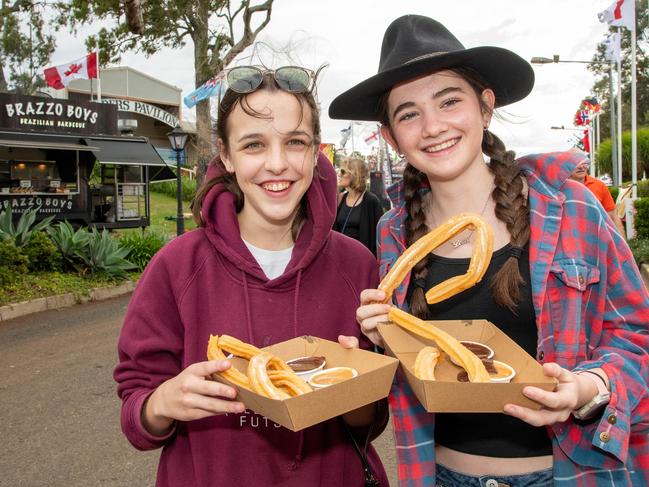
point(511, 208)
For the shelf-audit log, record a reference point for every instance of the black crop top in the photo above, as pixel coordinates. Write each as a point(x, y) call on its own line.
point(488, 434)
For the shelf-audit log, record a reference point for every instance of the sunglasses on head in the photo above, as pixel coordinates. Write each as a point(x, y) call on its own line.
point(246, 79)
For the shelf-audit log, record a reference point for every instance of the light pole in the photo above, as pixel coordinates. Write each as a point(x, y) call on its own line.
point(616, 167)
point(178, 139)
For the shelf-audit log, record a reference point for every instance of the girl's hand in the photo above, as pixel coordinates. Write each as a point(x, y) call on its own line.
point(189, 396)
point(372, 312)
point(573, 391)
point(348, 341)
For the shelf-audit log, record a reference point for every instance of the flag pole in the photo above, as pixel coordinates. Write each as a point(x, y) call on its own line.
point(616, 175)
point(99, 79)
point(634, 120)
point(619, 114)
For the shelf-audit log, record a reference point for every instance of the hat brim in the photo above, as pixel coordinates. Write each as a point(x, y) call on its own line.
point(506, 73)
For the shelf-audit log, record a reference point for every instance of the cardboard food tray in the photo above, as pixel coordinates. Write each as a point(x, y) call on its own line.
point(375, 374)
point(446, 394)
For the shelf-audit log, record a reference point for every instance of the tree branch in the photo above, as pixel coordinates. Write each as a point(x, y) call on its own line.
point(248, 34)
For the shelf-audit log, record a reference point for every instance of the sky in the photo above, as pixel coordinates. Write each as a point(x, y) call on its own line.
point(348, 34)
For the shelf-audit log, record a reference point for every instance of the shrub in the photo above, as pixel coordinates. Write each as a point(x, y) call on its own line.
point(643, 188)
point(42, 253)
point(143, 246)
point(642, 218)
point(169, 188)
point(104, 255)
point(640, 249)
point(70, 243)
point(614, 190)
point(13, 263)
point(21, 231)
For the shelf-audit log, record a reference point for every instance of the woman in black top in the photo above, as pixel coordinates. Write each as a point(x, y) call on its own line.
point(359, 210)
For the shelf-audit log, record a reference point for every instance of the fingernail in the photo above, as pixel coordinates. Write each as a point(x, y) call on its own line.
point(509, 409)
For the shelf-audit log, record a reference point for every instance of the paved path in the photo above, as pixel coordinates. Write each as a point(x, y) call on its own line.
point(60, 413)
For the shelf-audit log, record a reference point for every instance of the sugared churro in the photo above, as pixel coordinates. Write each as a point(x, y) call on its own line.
point(259, 380)
point(283, 381)
point(214, 352)
point(482, 251)
point(426, 362)
point(458, 352)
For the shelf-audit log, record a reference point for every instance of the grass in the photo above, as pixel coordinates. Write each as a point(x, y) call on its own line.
point(162, 206)
point(39, 285)
point(43, 284)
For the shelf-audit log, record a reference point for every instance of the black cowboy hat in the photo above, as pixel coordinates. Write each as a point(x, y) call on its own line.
point(414, 46)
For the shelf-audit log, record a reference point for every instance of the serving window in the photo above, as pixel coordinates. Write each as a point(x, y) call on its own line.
point(38, 177)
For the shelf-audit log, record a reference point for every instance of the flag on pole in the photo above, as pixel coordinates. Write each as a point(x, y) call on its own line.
point(373, 136)
point(620, 13)
point(613, 52)
point(60, 76)
point(586, 142)
point(212, 87)
point(344, 135)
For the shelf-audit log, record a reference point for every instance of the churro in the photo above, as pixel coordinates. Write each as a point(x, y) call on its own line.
point(259, 380)
point(458, 352)
point(426, 362)
point(283, 382)
point(214, 352)
point(482, 251)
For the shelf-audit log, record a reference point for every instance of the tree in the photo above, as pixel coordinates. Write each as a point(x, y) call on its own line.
point(601, 86)
point(218, 29)
point(25, 45)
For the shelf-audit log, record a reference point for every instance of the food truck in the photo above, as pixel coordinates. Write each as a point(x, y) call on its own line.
point(66, 158)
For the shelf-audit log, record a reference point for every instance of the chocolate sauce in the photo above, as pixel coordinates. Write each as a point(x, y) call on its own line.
point(462, 376)
point(305, 364)
point(480, 350)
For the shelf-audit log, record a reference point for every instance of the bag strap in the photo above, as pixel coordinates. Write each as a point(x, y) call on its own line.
point(370, 479)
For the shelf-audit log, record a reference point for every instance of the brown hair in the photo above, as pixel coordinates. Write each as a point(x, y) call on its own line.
point(358, 171)
point(508, 194)
point(230, 101)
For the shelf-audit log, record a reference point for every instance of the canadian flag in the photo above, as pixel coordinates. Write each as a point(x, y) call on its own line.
point(620, 13)
point(60, 76)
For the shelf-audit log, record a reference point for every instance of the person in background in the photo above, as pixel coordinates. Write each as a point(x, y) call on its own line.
point(601, 192)
point(359, 210)
point(561, 283)
point(264, 266)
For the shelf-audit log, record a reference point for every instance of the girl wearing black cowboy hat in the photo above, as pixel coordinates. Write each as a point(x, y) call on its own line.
point(561, 282)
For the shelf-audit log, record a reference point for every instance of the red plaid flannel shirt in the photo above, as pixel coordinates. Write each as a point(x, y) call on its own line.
point(592, 310)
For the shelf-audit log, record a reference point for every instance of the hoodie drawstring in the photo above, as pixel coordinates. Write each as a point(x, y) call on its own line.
point(246, 298)
point(300, 440)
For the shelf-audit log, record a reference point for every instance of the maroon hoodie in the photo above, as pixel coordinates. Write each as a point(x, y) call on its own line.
point(206, 281)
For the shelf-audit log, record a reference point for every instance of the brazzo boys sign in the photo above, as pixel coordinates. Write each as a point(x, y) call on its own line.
point(35, 114)
point(46, 205)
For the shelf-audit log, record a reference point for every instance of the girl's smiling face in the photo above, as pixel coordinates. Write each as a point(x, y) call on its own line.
point(272, 156)
point(437, 122)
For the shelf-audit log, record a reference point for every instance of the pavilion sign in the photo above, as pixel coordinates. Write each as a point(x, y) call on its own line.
point(143, 109)
point(36, 114)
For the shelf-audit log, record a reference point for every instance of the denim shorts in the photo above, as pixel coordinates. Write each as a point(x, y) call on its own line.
point(450, 478)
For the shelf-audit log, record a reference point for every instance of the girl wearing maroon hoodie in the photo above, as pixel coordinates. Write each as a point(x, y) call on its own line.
point(264, 266)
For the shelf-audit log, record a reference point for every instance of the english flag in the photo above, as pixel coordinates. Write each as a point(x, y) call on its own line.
point(371, 137)
point(60, 76)
point(620, 13)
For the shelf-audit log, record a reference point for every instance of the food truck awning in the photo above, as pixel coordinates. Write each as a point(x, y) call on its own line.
point(125, 150)
point(45, 144)
point(130, 151)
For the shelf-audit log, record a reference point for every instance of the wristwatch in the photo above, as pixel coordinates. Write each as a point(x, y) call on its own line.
point(597, 403)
